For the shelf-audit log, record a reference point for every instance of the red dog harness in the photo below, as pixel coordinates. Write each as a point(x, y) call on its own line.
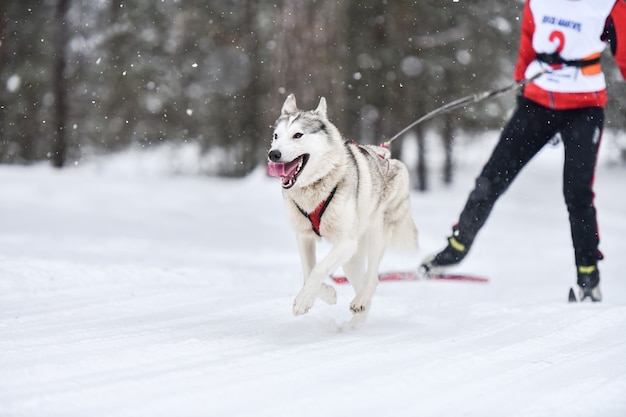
point(315, 217)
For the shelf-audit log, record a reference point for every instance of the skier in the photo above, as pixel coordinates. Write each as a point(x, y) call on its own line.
point(564, 39)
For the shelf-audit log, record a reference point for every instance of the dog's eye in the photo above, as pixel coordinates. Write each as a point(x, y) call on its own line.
point(298, 135)
point(275, 136)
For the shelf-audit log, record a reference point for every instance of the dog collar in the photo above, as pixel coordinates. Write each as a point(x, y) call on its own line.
point(315, 217)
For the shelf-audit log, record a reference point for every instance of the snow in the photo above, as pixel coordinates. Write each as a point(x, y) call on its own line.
point(127, 290)
point(13, 83)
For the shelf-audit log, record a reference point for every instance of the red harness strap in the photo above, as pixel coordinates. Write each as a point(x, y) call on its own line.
point(315, 217)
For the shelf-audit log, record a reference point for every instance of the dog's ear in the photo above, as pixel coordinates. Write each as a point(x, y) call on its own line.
point(321, 108)
point(289, 106)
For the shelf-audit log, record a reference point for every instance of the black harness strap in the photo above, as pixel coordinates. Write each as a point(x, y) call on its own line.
point(554, 59)
point(315, 217)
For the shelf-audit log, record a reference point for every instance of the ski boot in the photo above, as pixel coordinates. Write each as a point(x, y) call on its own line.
point(589, 283)
point(450, 256)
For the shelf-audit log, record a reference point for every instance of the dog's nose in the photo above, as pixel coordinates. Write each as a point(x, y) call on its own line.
point(274, 155)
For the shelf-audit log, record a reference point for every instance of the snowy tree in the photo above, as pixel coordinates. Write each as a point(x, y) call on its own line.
point(26, 99)
point(58, 151)
point(308, 59)
point(138, 73)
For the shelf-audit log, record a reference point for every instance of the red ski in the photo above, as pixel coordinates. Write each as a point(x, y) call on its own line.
point(415, 276)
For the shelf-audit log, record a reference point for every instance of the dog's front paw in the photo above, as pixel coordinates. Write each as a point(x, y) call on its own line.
point(327, 294)
point(360, 304)
point(303, 302)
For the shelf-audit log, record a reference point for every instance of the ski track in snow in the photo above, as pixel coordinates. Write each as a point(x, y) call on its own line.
point(130, 294)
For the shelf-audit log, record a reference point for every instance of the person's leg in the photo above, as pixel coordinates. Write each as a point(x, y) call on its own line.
point(581, 138)
point(528, 130)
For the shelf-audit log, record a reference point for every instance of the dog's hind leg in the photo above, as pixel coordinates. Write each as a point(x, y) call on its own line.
point(355, 269)
point(376, 244)
point(306, 246)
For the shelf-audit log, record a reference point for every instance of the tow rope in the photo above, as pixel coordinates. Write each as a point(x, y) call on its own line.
point(464, 101)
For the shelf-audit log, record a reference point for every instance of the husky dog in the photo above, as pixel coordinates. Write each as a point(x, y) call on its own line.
point(354, 196)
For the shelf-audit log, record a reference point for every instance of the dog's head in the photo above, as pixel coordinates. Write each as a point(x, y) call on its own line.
point(302, 149)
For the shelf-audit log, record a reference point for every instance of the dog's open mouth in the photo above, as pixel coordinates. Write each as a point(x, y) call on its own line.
point(287, 171)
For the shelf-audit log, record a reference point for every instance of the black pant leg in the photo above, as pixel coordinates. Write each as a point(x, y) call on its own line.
point(528, 130)
point(581, 137)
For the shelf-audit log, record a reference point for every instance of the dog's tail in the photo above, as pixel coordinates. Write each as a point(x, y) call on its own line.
point(403, 233)
point(402, 230)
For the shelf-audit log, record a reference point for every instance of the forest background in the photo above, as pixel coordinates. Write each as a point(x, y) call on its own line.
point(79, 77)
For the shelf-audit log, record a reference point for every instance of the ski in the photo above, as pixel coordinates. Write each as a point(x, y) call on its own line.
point(572, 296)
point(592, 295)
point(415, 276)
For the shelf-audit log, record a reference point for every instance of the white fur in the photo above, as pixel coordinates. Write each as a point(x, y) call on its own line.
point(369, 212)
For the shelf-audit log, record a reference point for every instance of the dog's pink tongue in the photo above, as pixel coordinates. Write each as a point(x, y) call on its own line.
point(276, 169)
point(281, 169)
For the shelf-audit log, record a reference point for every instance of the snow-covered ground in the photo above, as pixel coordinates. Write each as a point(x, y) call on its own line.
point(128, 291)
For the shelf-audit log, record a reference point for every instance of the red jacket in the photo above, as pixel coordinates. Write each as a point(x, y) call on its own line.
point(568, 88)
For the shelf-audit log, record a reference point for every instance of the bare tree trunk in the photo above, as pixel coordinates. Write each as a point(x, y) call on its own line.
point(447, 134)
point(3, 112)
point(29, 135)
point(59, 144)
point(422, 165)
point(251, 128)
